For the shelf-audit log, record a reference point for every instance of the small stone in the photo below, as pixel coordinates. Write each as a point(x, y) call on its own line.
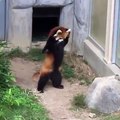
point(117, 77)
point(92, 115)
point(63, 118)
point(82, 82)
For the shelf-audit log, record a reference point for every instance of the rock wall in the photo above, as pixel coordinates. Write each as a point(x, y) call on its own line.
point(22, 4)
point(80, 26)
point(20, 28)
point(53, 2)
point(66, 20)
point(74, 15)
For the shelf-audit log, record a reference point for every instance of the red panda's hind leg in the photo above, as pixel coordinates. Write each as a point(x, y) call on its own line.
point(42, 82)
point(56, 79)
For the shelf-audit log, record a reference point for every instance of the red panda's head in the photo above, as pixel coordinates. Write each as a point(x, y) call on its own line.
point(60, 33)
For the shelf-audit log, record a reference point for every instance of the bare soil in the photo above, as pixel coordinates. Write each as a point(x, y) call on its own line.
point(56, 101)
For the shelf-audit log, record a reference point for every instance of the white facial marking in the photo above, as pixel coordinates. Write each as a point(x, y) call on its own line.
point(69, 30)
point(55, 35)
point(60, 40)
point(57, 38)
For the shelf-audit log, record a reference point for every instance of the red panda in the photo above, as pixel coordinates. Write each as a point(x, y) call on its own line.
point(53, 50)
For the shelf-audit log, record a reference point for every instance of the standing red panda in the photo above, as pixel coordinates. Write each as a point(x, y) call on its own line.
point(54, 52)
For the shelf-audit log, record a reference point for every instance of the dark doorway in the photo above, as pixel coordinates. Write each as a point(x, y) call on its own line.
point(44, 18)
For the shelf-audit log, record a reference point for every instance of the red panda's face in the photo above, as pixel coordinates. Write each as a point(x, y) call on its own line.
point(60, 33)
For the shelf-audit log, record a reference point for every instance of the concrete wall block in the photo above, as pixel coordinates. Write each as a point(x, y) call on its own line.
point(81, 18)
point(20, 4)
point(53, 2)
point(20, 28)
point(95, 58)
point(66, 20)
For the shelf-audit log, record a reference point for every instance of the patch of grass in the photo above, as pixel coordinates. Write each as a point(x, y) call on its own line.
point(111, 117)
point(68, 72)
point(6, 77)
point(15, 103)
point(98, 113)
point(79, 101)
point(17, 52)
point(34, 54)
point(84, 80)
point(18, 104)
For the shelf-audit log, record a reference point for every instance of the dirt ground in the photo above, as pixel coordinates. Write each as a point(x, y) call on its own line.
point(56, 101)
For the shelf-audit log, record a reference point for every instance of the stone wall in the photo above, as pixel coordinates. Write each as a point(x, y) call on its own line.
point(74, 15)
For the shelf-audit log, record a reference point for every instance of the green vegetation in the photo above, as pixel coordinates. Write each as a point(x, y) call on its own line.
point(84, 80)
point(15, 103)
point(76, 68)
point(6, 77)
point(68, 72)
point(34, 54)
point(98, 113)
point(79, 101)
point(112, 117)
point(17, 52)
point(18, 104)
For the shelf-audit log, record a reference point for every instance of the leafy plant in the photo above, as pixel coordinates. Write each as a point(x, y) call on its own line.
point(18, 104)
point(79, 101)
point(6, 77)
point(17, 52)
point(84, 80)
point(15, 103)
point(34, 54)
point(68, 71)
point(112, 117)
point(15, 97)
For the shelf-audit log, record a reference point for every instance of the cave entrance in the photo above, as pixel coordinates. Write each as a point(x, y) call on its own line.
point(44, 18)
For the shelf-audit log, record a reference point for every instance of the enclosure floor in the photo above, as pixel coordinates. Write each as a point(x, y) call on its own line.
point(56, 101)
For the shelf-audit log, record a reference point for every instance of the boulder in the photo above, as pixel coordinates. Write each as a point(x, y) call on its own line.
point(104, 94)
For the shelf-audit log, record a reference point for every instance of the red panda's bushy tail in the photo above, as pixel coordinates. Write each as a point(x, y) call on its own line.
point(36, 76)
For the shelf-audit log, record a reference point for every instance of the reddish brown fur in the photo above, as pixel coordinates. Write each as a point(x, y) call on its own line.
point(46, 67)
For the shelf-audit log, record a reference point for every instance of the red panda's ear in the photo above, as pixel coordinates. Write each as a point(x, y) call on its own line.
point(53, 30)
point(59, 31)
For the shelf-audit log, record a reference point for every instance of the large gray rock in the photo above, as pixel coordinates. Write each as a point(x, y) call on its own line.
point(104, 95)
